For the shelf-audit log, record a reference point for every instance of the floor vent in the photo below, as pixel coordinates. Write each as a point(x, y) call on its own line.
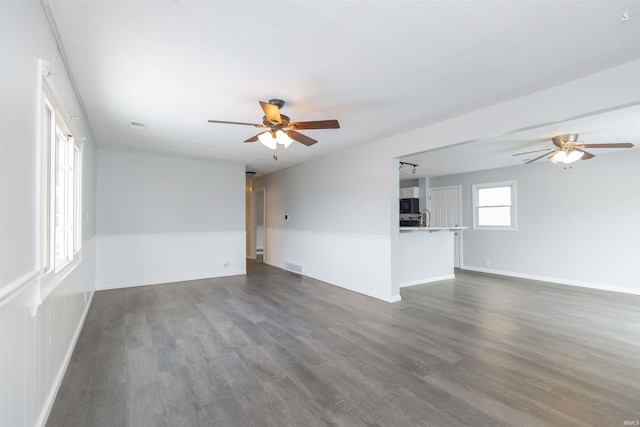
point(294, 268)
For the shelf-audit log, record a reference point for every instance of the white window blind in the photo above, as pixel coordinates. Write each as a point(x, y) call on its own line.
point(494, 206)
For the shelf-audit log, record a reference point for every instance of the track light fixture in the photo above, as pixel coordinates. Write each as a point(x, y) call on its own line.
point(415, 167)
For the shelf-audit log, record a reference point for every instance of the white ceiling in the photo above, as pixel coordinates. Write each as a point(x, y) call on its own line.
point(379, 67)
point(621, 125)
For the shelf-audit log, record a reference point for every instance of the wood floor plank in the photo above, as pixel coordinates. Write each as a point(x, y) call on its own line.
point(272, 348)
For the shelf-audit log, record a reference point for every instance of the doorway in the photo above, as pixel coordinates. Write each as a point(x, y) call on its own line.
point(259, 224)
point(255, 221)
point(445, 206)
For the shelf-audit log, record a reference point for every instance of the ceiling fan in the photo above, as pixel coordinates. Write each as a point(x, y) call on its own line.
point(568, 149)
point(280, 129)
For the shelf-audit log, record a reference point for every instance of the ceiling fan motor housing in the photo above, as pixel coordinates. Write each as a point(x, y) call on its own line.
point(561, 140)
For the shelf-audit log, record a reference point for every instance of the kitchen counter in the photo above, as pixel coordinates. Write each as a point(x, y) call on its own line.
point(426, 255)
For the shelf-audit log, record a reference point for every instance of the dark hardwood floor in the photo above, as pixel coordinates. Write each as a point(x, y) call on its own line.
point(276, 349)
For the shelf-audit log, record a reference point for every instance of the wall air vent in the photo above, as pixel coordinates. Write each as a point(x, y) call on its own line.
point(293, 267)
point(138, 125)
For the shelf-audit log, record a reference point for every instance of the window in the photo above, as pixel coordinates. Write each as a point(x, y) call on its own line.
point(494, 206)
point(60, 193)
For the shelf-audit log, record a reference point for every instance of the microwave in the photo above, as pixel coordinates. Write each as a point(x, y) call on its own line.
point(409, 205)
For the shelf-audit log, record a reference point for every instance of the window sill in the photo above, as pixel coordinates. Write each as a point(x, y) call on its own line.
point(49, 286)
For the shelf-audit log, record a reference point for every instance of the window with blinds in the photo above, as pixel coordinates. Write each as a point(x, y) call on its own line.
point(494, 206)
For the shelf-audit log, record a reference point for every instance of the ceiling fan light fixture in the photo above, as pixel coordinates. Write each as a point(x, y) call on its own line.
point(573, 156)
point(283, 138)
point(566, 156)
point(268, 140)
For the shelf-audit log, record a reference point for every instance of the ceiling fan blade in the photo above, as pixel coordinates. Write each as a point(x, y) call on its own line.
point(301, 138)
point(535, 151)
point(585, 156)
point(614, 145)
point(318, 124)
point(253, 138)
point(272, 112)
point(544, 155)
point(237, 123)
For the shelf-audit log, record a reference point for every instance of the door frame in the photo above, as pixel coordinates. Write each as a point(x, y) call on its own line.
point(251, 221)
point(264, 221)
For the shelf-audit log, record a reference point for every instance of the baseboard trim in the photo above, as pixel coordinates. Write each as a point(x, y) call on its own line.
point(379, 297)
point(51, 398)
point(390, 299)
point(575, 283)
point(425, 281)
point(105, 287)
point(395, 298)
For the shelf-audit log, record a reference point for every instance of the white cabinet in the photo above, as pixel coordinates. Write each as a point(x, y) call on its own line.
point(409, 193)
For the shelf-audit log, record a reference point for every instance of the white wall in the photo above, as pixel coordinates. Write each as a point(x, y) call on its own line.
point(337, 203)
point(166, 219)
point(35, 345)
point(339, 227)
point(577, 226)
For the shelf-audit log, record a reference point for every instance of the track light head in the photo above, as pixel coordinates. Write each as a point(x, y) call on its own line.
point(413, 171)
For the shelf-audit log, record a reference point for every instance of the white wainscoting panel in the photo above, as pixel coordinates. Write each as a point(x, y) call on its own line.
point(360, 263)
point(136, 260)
point(17, 366)
point(36, 345)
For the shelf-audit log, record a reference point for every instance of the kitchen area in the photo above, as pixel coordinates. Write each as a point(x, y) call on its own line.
point(429, 244)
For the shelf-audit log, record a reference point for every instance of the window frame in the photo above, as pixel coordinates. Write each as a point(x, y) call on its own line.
point(513, 226)
point(60, 181)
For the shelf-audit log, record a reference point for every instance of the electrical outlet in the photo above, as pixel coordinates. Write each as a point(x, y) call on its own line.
point(487, 263)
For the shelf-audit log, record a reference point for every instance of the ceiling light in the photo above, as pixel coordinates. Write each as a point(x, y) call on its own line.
point(566, 156)
point(415, 167)
point(271, 139)
point(268, 140)
point(283, 138)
